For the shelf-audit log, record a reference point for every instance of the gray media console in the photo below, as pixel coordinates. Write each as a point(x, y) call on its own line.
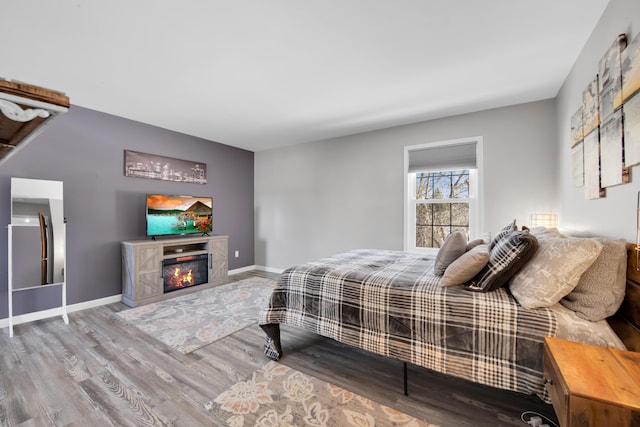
point(142, 266)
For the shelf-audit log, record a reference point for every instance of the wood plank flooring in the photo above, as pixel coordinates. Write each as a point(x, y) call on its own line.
point(99, 371)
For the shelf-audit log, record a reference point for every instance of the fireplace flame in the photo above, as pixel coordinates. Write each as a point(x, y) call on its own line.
point(184, 272)
point(182, 280)
point(187, 279)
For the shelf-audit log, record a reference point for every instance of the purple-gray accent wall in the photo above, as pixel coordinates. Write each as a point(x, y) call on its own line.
point(85, 149)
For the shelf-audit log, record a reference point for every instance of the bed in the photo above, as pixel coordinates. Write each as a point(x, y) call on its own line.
point(393, 304)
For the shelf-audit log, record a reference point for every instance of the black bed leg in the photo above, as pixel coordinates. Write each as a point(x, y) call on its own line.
point(404, 369)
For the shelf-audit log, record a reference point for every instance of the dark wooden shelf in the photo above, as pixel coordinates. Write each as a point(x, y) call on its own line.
point(16, 134)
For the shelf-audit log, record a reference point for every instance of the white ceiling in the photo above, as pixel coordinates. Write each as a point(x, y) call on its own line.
point(260, 74)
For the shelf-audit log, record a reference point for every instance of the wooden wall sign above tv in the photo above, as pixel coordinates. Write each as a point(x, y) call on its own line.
point(25, 111)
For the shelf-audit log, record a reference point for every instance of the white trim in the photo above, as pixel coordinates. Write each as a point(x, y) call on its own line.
point(242, 270)
point(256, 267)
point(478, 224)
point(269, 269)
point(405, 199)
point(476, 228)
point(44, 314)
point(33, 103)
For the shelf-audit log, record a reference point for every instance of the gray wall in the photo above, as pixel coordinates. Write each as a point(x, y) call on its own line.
point(615, 214)
point(85, 150)
point(320, 198)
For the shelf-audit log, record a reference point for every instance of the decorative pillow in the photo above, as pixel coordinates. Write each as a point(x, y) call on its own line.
point(554, 270)
point(601, 288)
point(504, 231)
point(466, 266)
point(454, 245)
point(506, 258)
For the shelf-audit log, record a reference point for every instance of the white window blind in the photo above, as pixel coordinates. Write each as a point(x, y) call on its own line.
point(443, 157)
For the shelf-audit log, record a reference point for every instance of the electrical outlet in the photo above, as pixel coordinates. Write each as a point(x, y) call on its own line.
point(237, 254)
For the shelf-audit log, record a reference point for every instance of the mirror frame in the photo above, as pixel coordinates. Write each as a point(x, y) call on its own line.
point(39, 203)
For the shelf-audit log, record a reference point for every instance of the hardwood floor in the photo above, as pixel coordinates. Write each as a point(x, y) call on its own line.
point(99, 371)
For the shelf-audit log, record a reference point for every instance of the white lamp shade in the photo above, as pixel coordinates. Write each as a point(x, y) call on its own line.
point(543, 220)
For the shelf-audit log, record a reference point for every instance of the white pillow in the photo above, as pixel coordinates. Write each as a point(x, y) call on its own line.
point(553, 271)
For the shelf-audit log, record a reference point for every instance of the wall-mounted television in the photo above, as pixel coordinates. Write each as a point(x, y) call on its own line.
point(178, 215)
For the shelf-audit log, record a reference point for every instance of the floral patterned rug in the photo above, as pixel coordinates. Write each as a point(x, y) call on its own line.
point(189, 322)
point(279, 396)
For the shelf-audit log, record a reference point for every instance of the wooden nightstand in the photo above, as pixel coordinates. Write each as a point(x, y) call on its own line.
point(592, 386)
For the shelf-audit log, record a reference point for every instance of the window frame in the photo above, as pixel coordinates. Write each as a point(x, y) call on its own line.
point(414, 202)
point(475, 200)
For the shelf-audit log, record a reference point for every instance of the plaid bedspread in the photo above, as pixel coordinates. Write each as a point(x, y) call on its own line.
point(390, 303)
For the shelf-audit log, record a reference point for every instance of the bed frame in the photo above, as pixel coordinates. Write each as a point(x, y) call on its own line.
point(626, 322)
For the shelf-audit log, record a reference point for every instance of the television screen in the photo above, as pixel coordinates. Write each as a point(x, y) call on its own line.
point(177, 215)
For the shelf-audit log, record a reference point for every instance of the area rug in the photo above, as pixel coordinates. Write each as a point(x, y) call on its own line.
point(189, 322)
point(277, 395)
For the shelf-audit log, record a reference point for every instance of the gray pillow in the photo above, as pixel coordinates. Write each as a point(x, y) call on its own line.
point(454, 245)
point(601, 287)
point(466, 266)
point(506, 258)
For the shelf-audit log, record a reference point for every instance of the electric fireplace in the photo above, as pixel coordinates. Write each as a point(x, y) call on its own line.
point(184, 272)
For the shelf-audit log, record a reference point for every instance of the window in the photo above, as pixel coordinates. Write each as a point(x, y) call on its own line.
point(441, 205)
point(441, 194)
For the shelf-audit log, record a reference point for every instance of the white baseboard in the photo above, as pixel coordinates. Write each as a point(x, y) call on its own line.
point(242, 269)
point(45, 314)
point(269, 269)
point(256, 267)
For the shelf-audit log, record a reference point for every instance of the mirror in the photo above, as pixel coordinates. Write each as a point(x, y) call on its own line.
point(38, 219)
